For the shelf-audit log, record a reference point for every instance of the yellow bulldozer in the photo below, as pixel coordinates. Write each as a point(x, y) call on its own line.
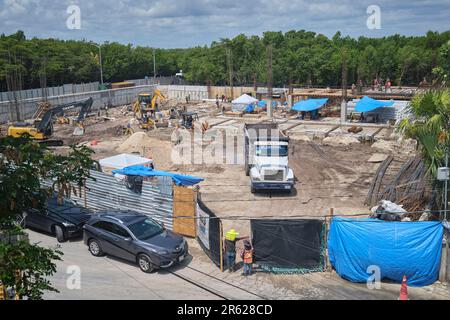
point(146, 106)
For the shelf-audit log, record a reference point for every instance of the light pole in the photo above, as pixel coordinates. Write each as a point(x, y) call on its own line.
point(100, 60)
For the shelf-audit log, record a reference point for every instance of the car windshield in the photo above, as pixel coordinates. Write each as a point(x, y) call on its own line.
point(145, 229)
point(271, 151)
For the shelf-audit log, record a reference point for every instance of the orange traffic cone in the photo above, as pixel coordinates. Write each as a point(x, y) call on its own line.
point(404, 290)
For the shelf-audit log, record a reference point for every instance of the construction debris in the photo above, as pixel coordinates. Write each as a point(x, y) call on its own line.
point(388, 211)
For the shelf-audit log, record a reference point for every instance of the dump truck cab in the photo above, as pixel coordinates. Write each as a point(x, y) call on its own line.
point(267, 158)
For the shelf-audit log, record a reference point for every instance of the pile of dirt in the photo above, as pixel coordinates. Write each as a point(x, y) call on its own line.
point(136, 143)
point(340, 140)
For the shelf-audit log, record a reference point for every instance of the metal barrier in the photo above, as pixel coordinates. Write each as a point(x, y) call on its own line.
point(108, 193)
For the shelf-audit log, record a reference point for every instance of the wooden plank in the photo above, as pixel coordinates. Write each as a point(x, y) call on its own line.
point(184, 207)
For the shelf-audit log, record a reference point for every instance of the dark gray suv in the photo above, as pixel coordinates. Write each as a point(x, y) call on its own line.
point(134, 237)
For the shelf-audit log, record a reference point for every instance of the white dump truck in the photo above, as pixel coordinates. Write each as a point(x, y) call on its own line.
point(266, 158)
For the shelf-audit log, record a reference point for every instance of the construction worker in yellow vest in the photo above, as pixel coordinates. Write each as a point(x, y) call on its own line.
point(230, 249)
point(247, 257)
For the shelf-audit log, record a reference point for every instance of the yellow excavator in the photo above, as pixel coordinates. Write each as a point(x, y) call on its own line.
point(146, 107)
point(42, 130)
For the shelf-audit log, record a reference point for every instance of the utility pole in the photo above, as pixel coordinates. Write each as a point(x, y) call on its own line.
point(269, 80)
point(444, 175)
point(154, 67)
point(344, 86)
point(101, 63)
point(230, 71)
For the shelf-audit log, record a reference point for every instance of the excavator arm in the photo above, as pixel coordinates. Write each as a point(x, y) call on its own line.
point(43, 129)
point(157, 95)
point(45, 125)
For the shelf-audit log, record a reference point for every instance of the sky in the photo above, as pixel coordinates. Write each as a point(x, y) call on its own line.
point(188, 23)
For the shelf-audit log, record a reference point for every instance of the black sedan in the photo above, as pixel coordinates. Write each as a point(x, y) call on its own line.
point(64, 220)
point(134, 237)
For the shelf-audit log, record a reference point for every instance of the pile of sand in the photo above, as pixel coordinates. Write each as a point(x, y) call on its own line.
point(340, 140)
point(138, 142)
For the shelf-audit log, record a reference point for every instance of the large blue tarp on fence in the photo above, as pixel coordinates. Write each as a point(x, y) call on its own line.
point(309, 105)
point(367, 104)
point(397, 248)
point(179, 179)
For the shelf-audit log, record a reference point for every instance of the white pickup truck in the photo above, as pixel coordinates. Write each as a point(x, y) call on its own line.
point(267, 157)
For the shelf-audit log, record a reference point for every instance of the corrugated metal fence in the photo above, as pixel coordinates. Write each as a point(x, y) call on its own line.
point(114, 97)
point(155, 201)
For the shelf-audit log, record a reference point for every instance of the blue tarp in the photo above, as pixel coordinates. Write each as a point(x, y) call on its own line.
point(263, 104)
point(309, 105)
point(179, 179)
point(367, 104)
point(397, 248)
point(250, 108)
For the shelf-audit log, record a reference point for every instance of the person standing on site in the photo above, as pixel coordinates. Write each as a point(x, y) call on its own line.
point(247, 257)
point(230, 249)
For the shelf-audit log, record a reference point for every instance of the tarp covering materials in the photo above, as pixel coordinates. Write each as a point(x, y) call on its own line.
point(397, 248)
point(141, 171)
point(250, 108)
point(263, 104)
point(124, 160)
point(295, 244)
point(309, 105)
point(245, 99)
point(210, 227)
point(367, 104)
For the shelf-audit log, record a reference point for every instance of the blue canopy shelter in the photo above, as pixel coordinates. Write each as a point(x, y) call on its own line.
point(263, 104)
point(179, 179)
point(367, 104)
point(309, 105)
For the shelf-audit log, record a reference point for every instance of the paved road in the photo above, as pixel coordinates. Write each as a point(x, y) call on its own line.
point(112, 279)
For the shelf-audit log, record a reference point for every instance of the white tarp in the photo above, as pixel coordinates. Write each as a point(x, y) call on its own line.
point(245, 99)
point(122, 161)
point(241, 103)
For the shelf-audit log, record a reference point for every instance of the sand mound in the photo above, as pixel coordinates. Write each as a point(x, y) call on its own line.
point(339, 140)
point(136, 143)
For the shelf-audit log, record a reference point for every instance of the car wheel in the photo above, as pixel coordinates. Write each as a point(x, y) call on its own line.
point(94, 248)
point(20, 220)
point(253, 190)
point(145, 264)
point(60, 235)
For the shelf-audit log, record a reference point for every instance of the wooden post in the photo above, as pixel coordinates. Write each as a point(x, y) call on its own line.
point(2, 292)
point(221, 246)
point(329, 268)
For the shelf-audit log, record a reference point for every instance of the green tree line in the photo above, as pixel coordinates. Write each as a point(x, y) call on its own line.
point(299, 57)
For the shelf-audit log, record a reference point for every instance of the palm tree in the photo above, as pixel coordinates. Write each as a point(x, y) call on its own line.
point(429, 125)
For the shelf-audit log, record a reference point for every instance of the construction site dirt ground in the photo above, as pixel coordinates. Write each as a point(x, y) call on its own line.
point(328, 174)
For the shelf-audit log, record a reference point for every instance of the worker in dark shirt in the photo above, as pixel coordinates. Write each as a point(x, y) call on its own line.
point(230, 248)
